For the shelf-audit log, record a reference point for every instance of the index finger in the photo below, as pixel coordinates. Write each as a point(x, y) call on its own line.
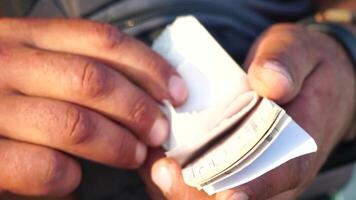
point(102, 41)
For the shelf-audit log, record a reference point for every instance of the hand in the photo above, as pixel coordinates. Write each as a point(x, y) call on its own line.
point(307, 72)
point(77, 87)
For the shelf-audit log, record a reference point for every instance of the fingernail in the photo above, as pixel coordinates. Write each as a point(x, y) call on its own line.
point(159, 131)
point(177, 89)
point(279, 68)
point(239, 196)
point(162, 178)
point(141, 152)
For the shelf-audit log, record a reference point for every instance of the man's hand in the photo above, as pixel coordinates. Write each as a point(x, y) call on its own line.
point(77, 87)
point(307, 72)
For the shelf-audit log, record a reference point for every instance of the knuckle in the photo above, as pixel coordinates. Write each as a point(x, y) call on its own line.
point(153, 65)
point(108, 36)
point(93, 80)
point(61, 124)
point(6, 54)
point(53, 171)
point(123, 155)
point(139, 111)
point(77, 126)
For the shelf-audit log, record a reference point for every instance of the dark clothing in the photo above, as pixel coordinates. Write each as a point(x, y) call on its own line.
point(234, 23)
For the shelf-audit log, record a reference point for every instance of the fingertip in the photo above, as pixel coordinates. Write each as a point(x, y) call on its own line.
point(272, 80)
point(62, 181)
point(140, 154)
point(72, 178)
point(163, 162)
point(162, 176)
point(136, 159)
point(167, 175)
point(177, 89)
point(159, 131)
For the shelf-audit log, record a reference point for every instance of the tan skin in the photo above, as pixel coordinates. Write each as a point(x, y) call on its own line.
point(319, 93)
point(75, 87)
point(79, 88)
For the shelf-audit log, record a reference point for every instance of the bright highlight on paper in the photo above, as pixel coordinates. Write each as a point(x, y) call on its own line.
point(225, 134)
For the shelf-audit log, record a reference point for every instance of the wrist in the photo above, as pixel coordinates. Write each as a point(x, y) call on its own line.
point(339, 24)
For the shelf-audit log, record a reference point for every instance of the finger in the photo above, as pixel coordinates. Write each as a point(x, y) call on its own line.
point(284, 178)
point(280, 61)
point(166, 174)
point(144, 171)
point(69, 128)
point(104, 42)
point(84, 81)
point(34, 170)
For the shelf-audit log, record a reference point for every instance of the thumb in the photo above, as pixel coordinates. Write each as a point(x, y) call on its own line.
point(166, 174)
point(280, 61)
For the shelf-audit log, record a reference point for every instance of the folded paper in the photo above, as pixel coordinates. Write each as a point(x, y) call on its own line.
point(225, 134)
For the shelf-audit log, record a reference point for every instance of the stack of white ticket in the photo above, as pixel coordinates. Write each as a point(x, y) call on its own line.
point(262, 135)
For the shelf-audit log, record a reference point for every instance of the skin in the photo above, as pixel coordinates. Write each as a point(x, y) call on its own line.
point(96, 97)
point(311, 76)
